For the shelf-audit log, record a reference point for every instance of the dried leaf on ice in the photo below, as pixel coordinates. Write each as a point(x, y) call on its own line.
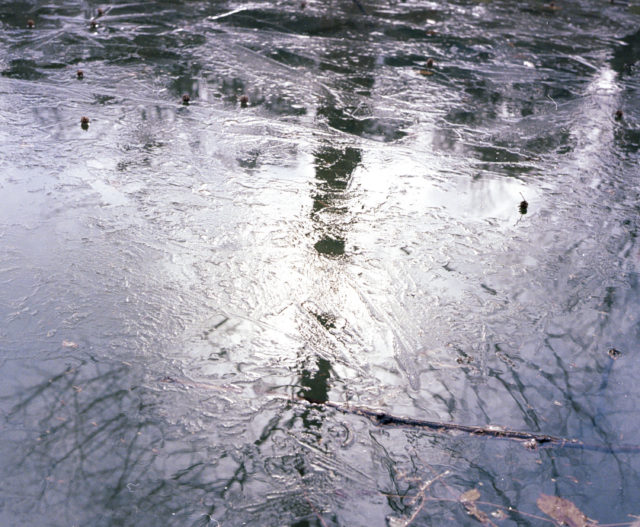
point(563, 511)
point(472, 510)
point(468, 500)
point(470, 495)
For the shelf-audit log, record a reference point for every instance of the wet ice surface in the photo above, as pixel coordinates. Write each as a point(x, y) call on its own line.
point(176, 276)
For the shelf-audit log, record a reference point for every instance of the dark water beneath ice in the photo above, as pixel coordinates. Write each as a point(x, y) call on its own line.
point(175, 276)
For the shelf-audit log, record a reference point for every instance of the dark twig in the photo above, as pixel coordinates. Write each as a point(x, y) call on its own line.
point(529, 439)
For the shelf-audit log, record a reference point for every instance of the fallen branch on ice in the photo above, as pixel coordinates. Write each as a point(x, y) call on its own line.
point(530, 440)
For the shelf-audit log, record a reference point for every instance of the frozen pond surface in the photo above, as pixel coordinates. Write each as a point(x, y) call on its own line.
point(176, 280)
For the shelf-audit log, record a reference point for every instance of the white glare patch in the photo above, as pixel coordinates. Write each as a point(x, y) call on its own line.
point(603, 83)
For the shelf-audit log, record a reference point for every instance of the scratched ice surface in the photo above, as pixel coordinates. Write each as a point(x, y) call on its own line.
point(177, 280)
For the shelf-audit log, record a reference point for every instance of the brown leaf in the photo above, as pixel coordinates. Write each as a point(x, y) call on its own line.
point(563, 511)
point(470, 495)
point(472, 510)
point(468, 500)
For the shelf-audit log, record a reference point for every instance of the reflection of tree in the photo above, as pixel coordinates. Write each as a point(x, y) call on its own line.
point(105, 449)
point(315, 389)
point(334, 169)
point(626, 55)
point(353, 111)
point(101, 450)
point(315, 385)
